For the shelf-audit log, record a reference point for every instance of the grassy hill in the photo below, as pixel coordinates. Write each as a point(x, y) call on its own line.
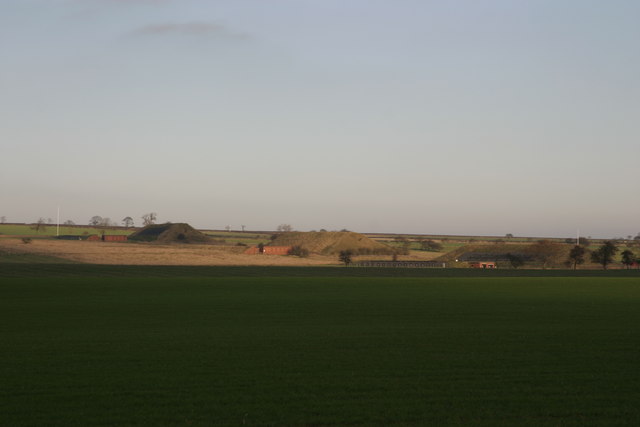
point(169, 233)
point(543, 254)
point(332, 242)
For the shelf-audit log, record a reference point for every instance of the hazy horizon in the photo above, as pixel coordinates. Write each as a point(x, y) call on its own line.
point(405, 116)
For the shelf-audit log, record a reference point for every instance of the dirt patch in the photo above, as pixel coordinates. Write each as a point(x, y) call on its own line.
point(154, 254)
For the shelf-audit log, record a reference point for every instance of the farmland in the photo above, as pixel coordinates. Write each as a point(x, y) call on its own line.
point(228, 247)
point(149, 345)
point(50, 230)
point(215, 247)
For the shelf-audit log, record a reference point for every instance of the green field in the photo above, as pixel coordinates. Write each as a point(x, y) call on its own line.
point(50, 230)
point(99, 345)
point(234, 237)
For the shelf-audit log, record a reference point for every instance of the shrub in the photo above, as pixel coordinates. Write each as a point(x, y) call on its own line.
point(515, 260)
point(430, 245)
point(299, 251)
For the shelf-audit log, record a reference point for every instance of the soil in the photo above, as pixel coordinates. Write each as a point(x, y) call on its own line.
point(129, 253)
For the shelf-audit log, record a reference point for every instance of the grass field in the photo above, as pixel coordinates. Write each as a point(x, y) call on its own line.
point(233, 237)
point(100, 345)
point(27, 258)
point(50, 230)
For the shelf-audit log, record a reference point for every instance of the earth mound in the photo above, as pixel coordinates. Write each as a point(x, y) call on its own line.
point(169, 233)
point(332, 242)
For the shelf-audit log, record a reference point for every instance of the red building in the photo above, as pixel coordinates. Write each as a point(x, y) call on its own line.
point(114, 238)
point(482, 264)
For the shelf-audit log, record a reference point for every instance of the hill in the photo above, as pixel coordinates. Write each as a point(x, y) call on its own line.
point(332, 242)
point(169, 233)
point(542, 254)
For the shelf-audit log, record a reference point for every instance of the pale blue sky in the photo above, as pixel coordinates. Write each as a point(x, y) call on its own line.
point(451, 117)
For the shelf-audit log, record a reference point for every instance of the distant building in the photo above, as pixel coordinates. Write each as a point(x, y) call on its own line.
point(482, 264)
point(114, 238)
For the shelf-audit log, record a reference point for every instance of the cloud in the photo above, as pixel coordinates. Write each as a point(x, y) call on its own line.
point(195, 28)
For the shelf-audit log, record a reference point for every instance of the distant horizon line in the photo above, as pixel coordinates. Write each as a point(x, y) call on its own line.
point(473, 236)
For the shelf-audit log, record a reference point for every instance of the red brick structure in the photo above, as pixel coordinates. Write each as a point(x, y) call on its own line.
point(114, 238)
point(482, 264)
point(269, 250)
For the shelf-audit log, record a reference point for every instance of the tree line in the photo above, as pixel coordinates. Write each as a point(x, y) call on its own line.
point(603, 255)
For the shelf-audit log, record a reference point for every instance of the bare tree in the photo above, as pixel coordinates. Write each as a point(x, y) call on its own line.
point(243, 226)
point(95, 220)
point(546, 251)
point(40, 225)
point(228, 228)
point(515, 260)
point(345, 257)
point(405, 245)
point(127, 221)
point(285, 228)
point(149, 218)
point(68, 222)
point(3, 219)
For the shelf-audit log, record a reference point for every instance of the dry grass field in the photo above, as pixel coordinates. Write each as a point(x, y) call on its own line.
point(154, 254)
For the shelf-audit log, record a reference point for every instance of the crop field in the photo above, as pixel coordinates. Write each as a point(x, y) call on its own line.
point(249, 238)
point(150, 345)
point(50, 230)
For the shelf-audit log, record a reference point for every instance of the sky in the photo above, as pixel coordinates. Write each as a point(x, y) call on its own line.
point(459, 117)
